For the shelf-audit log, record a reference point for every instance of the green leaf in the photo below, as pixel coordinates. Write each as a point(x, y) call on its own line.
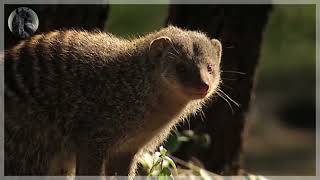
point(146, 161)
point(165, 174)
point(171, 162)
point(163, 151)
point(165, 163)
point(156, 166)
point(157, 154)
point(154, 172)
point(173, 143)
point(166, 171)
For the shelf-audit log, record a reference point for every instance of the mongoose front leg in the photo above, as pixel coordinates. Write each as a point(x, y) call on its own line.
point(89, 160)
point(119, 164)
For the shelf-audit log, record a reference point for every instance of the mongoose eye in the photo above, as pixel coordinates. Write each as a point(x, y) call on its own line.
point(210, 69)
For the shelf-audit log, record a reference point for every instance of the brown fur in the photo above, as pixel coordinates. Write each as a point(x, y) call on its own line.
point(95, 100)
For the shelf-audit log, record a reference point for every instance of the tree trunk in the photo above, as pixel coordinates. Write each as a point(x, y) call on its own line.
point(54, 17)
point(240, 29)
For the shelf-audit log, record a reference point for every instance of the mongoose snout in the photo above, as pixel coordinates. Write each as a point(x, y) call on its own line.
point(202, 87)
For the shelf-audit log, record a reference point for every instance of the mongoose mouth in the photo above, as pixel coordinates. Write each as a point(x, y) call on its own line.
point(199, 90)
point(198, 95)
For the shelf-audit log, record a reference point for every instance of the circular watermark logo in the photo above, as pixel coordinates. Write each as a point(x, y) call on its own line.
point(23, 22)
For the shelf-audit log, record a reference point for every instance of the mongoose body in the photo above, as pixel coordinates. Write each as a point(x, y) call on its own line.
point(95, 101)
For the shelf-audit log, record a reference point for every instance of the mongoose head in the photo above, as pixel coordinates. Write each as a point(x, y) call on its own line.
point(190, 63)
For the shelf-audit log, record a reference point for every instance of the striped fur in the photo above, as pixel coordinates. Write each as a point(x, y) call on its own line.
point(96, 99)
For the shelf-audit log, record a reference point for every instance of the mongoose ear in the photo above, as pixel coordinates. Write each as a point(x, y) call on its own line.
point(218, 47)
point(159, 47)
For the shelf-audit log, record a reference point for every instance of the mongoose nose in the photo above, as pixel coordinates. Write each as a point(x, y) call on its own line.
point(203, 87)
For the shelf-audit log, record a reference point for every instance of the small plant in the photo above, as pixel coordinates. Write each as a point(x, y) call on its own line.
point(188, 139)
point(162, 165)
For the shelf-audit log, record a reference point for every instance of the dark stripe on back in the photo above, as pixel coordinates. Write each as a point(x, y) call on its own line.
point(72, 57)
point(69, 56)
point(58, 60)
point(11, 77)
point(36, 69)
point(42, 56)
point(9, 81)
point(25, 67)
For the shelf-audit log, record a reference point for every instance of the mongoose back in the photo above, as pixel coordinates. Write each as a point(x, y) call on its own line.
point(95, 101)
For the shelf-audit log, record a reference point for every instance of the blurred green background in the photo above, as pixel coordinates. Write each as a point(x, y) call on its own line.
point(280, 138)
point(280, 133)
point(132, 20)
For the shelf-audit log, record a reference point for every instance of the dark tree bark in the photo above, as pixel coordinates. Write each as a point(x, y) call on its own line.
point(240, 29)
point(54, 17)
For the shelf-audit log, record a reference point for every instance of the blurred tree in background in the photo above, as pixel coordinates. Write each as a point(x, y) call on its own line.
point(288, 62)
point(281, 133)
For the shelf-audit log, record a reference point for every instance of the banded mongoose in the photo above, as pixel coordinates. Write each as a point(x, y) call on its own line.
point(95, 101)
